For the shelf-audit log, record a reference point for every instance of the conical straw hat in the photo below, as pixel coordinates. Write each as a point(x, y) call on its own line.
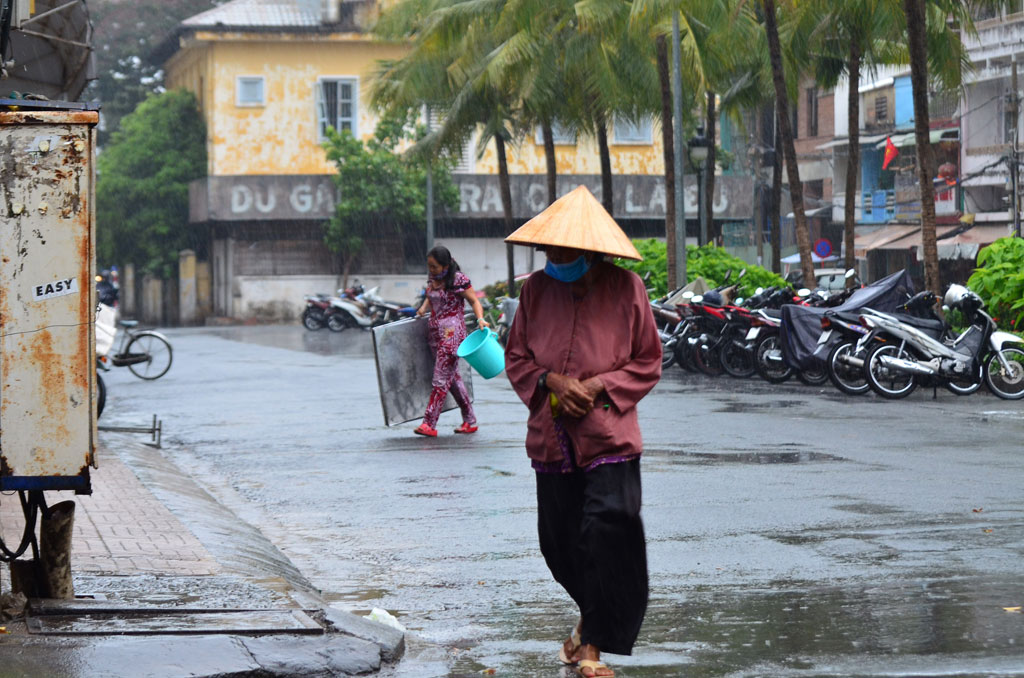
point(579, 221)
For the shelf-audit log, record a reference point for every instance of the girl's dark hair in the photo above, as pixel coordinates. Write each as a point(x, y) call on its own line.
point(441, 255)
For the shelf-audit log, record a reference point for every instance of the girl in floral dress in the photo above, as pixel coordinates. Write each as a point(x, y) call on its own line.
point(447, 291)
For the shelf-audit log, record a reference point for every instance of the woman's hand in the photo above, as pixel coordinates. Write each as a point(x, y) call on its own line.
point(480, 322)
point(574, 397)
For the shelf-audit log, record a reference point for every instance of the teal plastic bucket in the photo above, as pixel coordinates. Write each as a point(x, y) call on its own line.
point(483, 352)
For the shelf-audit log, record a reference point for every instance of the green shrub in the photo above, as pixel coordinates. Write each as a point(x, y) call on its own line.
point(710, 262)
point(999, 280)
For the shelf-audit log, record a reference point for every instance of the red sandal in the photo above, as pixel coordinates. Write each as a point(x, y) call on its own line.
point(467, 428)
point(426, 430)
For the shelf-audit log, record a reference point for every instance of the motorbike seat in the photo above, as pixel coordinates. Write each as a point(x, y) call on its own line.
point(771, 313)
point(926, 324)
point(846, 316)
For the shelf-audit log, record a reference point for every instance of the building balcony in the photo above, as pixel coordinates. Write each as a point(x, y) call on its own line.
point(996, 39)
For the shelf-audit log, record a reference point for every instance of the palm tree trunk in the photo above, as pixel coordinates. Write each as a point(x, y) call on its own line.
point(776, 197)
point(796, 193)
point(709, 168)
point(506, 206)
point(606, 164)
point(853, 159)
point(914, 9)
point(549, 157)
point(668, 153)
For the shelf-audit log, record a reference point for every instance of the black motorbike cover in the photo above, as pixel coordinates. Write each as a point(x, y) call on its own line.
point(801, 325)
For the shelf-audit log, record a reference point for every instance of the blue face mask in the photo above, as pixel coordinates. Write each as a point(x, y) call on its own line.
point(570, 272)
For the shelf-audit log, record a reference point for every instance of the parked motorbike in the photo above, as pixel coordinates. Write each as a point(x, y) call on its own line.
point(507, 307)
point(909, 357)
point(845, 358)
point(318, 307)
point(354, 307)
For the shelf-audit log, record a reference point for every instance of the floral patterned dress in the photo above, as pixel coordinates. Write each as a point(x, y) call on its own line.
point(447, 330)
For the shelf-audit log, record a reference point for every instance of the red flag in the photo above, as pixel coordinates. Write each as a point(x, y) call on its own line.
point(890, 153)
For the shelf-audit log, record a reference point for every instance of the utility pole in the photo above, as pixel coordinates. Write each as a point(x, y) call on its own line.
point(677, 139)
point(1014, 154)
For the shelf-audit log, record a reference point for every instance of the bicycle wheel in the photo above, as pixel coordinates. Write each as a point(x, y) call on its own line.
point(101, 395)
point(158, 355)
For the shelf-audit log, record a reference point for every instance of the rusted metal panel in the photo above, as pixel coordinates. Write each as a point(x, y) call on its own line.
point(47, 341)
point(405, 367)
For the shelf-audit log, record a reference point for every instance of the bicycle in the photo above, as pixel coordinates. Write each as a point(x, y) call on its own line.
point(147, 353)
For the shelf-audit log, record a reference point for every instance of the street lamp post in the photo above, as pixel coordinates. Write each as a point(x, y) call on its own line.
point(698, 154)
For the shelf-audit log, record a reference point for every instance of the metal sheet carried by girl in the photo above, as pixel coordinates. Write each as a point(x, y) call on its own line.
point(405, 366)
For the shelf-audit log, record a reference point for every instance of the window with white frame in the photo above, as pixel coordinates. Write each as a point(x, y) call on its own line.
point(249, 90)
point(337, 105)
point(563, 135)
point(633, 131)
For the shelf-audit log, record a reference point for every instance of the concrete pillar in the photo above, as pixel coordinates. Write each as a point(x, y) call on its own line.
point(204, 291)
point(187, 303)
point(127, 293)
point(151, 303)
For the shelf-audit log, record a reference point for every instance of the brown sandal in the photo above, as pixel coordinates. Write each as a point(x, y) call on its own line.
point(574, 638)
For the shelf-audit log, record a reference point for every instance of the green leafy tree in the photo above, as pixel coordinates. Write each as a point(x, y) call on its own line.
point(999, 280)
point(381, 191)
point(142, 190)
point(125, 35)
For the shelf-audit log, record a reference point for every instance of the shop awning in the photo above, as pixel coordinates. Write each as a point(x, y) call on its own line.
point(865, 140)
point(816, 212)
point(914, 239)
point(909, 139)
point(966, 245)
point(876, 239)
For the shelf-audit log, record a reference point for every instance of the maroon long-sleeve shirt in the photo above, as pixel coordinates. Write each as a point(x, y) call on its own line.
point(609, 333)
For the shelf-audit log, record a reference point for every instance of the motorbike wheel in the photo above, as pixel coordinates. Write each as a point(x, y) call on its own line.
point(338, 322)
point(768, 361)
point(886, 382)
point(966, 385)
point(848, 379)
point(309, 322)
point(684, 353)
point(668, 354)
point(1009, 383)
point(708, 360)
point(736, 360)
point(814, 376)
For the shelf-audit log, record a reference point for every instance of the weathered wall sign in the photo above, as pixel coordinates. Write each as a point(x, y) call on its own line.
point(278, 197)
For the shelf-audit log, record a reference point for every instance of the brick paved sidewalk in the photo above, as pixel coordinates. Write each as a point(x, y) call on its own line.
point(120, 528)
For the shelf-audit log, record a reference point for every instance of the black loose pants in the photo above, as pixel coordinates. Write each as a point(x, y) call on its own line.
point(592, 539)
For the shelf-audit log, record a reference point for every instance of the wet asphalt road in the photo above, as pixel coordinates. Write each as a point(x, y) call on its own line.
point(791, 530)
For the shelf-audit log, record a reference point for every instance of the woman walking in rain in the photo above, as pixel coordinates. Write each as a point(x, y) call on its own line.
point(582, 352)
point(448, 289)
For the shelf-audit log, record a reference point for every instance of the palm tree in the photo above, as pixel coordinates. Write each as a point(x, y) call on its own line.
point(446, 71)
point(803, 237)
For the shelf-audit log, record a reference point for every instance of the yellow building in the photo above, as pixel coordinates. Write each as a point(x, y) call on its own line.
point(271, 75)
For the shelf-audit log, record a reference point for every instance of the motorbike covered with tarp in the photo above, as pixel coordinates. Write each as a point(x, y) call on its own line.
point(801, 325)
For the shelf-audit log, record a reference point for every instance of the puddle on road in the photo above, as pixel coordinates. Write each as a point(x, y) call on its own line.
point(733, 406)
point(906, 628)
point(351, 343)
point(754, 457)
